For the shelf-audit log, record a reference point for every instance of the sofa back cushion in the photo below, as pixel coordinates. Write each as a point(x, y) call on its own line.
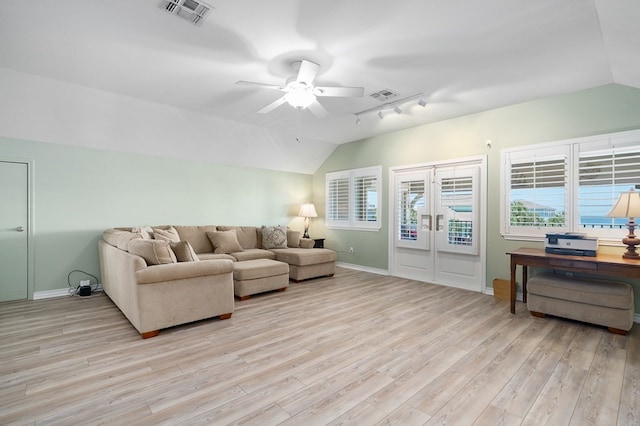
point(197, 237)
point(247, 236)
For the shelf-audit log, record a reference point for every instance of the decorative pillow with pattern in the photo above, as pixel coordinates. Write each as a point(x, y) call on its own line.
point(154, 252)
point(274, 237)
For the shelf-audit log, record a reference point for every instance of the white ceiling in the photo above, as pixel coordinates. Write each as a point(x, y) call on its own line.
point(465, 56)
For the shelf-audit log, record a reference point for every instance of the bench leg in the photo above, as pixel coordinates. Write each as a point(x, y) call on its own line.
point(617, 331)
point(244, 297)
point(537, 314)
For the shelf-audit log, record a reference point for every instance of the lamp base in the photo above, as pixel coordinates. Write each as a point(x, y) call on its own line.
point(631, 241)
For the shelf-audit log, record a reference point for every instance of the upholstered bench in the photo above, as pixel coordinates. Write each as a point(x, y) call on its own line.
point(602, 302)
point(259, 275)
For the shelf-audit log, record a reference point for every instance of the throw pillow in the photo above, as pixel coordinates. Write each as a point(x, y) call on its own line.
point(184, 252)
point(166, 234)
point(154, 252)
point(224, 242)
point(274, 237)
point(145, 231)
point(293, 239)
point(307, 243)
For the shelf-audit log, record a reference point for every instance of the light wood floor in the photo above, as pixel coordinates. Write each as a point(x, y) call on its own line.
point(354, 349)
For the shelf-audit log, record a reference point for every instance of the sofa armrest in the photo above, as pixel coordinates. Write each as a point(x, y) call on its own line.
point(183, 270)
point(306, 243)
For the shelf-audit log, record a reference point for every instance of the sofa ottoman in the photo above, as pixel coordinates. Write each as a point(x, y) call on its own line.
point(259, 275)
point(602, 302)
point(307, 263)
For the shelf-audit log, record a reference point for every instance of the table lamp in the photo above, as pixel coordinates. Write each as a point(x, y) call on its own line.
point(628, 206)
point(307, 210)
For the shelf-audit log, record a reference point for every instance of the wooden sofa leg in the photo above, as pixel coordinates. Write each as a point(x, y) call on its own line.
point(225, 316)
point(148, 334)
point(617, 331)
point(282, 289)
point(537, 314)
point(244, 297)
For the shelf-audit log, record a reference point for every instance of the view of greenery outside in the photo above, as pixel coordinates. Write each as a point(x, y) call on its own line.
point(523, 216)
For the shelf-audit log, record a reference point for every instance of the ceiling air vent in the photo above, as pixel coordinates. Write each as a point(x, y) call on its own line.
point(191, 10)
point(383, 95)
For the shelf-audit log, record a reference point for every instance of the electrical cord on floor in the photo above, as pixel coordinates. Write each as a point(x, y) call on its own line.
point(73, 291)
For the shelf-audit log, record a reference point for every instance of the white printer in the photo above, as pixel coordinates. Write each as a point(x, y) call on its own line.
point(571, 243)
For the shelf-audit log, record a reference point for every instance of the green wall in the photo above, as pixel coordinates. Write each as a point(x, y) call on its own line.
point(80, 192)
point(605, 109)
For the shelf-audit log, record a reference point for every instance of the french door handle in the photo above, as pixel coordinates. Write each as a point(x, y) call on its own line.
point(439, 226)
point(20, 229)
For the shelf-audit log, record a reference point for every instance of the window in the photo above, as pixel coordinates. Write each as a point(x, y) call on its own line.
point(352, 198)
point(568, 186)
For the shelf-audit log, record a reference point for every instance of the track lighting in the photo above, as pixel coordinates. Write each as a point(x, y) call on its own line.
point(395, 106)
point(422, 102)
point(380, 114)
point(397, 110)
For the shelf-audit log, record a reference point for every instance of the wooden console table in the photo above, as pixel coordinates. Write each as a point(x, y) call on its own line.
point(601, 264)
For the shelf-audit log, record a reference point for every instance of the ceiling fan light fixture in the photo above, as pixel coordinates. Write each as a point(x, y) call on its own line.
point(300, 98)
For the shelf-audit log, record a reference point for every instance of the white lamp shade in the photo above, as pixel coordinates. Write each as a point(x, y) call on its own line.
point(628, 205)
point(308, 210)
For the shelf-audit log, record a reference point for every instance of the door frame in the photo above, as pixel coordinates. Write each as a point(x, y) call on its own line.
point(481, 160)
point(30, 222)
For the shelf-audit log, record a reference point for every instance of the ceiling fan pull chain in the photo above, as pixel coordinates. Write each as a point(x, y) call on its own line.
point(298, 109)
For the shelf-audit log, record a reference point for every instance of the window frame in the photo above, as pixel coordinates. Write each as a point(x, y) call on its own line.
point(571, 149)
point(353, 176)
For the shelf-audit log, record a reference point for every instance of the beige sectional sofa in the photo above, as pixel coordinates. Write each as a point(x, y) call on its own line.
point(169, 275)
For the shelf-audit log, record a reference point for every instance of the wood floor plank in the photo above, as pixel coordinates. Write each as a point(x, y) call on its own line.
point(357, 348)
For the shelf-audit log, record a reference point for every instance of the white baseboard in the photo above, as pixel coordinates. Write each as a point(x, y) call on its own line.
point(47, 294)
point(376, 271)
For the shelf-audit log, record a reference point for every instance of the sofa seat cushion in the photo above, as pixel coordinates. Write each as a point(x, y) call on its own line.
point(258, 268)
point(611, 294)
point(213, 256)
point(304, 257)
point(182, 271)
point(252, 254)
point(197, 237)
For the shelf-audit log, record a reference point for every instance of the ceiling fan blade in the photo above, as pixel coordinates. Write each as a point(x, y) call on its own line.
point(356, 92)
point(261, 85)
point(317, 109)
point(307, 72)
point(273, 105)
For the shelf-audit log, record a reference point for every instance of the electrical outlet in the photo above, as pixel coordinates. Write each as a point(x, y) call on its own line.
point(350, 249)
point(85, 283)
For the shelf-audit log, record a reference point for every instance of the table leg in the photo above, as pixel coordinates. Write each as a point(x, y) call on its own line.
point(525, 275)
point(513, 285)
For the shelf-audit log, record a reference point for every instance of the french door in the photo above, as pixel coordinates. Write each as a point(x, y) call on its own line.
point(438, 227)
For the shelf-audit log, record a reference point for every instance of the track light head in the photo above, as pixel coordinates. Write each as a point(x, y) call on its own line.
point(357, 120)
point(422, 102)
point(380, 114)
point(397, 110)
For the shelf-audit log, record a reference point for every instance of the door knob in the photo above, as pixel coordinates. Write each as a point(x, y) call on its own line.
point(20, 229)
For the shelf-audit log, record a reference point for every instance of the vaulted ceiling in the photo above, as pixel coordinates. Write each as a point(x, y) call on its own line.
point(462, 56)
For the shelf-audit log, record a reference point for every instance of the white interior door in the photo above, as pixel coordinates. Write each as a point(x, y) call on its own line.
point(438, 228)
point(13, 231)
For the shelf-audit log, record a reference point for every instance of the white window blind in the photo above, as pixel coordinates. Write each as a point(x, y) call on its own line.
point(352, 198)
point(568, 186)
point(410, 198)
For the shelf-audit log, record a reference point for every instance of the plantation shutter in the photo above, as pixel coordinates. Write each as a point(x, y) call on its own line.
point(338, 200)
point(603, 174)
point(364, 189)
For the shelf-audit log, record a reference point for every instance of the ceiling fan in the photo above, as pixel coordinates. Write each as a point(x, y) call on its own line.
point(300, 92)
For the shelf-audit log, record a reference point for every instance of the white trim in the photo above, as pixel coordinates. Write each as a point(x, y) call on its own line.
point(48, 294)
point(355, 267)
